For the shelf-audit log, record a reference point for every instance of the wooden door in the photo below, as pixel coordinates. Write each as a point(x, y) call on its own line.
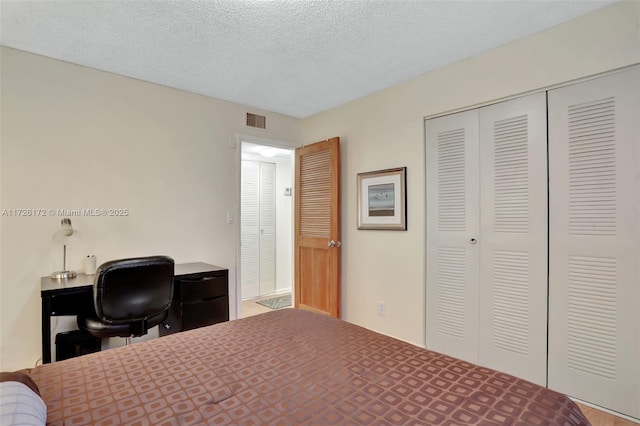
point(317, 227)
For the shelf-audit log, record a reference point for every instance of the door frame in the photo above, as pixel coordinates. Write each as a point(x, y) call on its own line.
point(237, 145)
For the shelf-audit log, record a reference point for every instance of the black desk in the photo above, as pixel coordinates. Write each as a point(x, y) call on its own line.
point(200, 297)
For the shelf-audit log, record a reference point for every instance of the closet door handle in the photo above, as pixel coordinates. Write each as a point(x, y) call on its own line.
point(473, 241)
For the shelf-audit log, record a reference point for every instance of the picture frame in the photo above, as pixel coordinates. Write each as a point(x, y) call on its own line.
point(382, 200)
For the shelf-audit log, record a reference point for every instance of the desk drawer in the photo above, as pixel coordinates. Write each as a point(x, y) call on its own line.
point(203, 289)
point(200, 314)
point(72, 304)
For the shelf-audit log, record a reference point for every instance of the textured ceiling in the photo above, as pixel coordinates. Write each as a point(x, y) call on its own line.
point(292, 57)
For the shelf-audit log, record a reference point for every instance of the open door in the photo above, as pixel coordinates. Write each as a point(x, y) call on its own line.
point(317, 227)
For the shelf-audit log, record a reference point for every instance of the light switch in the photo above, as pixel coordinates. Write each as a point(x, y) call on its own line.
point(229, 217)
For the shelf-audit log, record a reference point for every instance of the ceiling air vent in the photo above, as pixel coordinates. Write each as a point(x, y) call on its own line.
point(257, 121)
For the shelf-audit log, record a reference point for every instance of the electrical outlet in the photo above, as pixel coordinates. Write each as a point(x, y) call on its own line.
point(380, 308)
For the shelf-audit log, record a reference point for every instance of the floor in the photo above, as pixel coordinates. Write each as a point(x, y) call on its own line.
point(250, 307)
point(596, 417)
point(600, 418)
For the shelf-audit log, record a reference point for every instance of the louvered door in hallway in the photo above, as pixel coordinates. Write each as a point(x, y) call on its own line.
point(258, 229)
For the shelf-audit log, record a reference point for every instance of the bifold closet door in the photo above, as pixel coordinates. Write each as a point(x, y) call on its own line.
point(267, 228)
point(452, 223)
point(486, 221)
point(594, 266)
point(257, 228)
point(513, 237)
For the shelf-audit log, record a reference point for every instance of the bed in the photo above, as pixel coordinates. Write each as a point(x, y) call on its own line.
point(289, 367)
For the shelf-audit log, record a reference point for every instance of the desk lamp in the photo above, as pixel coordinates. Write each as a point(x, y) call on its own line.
point(63, 236)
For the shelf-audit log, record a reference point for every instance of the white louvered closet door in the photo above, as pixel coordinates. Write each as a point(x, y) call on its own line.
point(267, 228)
point(452, 216)
point(249, 230)
point(257, 249)
point(513, 237)
point(594, 266)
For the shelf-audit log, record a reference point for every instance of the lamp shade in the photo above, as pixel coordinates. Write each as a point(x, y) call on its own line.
point(66, 234)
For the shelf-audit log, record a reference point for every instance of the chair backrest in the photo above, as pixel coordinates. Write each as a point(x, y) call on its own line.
point(128, 290)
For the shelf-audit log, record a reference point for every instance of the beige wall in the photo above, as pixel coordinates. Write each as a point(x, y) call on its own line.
point(75, 138)
point(386, 130)
point(72, 137)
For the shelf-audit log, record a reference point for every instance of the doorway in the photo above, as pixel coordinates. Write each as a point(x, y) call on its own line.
point(266, 225)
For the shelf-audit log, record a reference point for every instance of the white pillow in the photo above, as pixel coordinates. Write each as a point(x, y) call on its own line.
point(19, 405)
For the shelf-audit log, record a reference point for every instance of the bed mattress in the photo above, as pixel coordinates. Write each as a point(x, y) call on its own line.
point(289, 367)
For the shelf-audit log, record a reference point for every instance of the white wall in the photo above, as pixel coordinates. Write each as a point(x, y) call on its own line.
point(284, 225)
point(385, 130)
point(74, 138)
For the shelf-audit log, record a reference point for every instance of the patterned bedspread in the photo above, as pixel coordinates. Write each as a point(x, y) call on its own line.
point(289, 367)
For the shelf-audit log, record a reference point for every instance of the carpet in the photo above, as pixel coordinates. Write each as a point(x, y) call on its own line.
point(276, 302)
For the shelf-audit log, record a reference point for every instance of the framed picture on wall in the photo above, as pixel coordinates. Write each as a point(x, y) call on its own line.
point(382, 200)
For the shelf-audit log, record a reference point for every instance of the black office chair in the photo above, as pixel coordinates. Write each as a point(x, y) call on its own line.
point(130, 296)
